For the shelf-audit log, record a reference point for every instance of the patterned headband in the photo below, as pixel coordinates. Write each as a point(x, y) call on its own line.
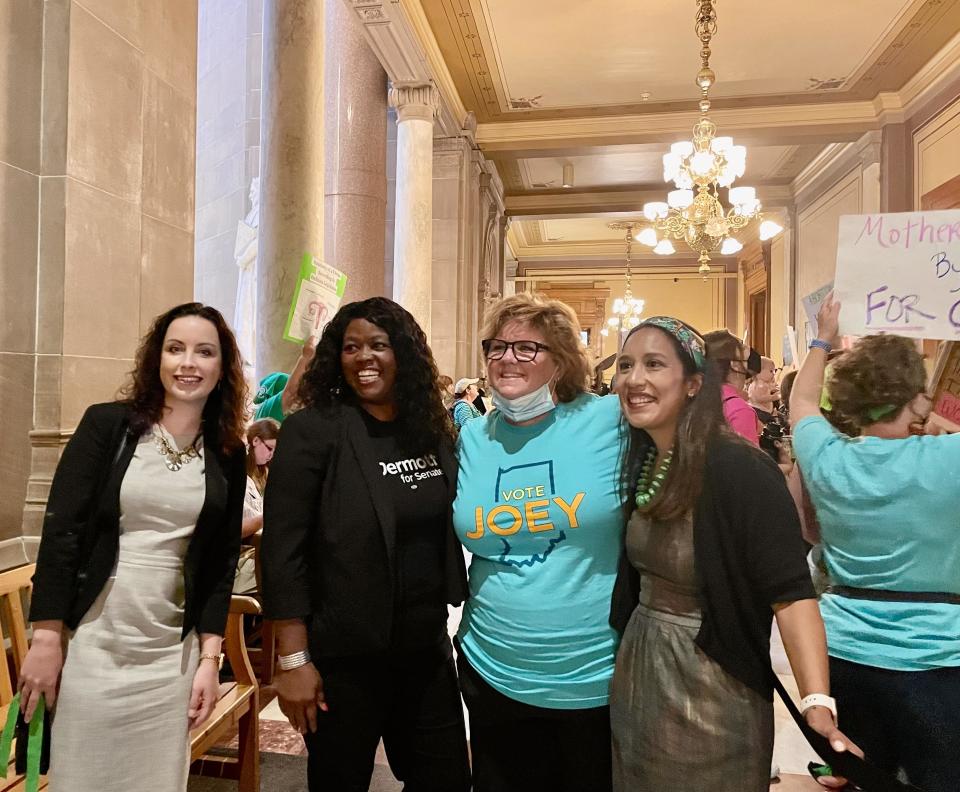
point(689, 338)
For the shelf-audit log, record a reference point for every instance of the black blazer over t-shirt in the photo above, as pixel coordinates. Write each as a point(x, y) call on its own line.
point(748, 554)
point(329, 535)
point(81, 528)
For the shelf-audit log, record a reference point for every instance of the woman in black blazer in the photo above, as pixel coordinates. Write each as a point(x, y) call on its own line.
point(360, 561)
point(136, 563)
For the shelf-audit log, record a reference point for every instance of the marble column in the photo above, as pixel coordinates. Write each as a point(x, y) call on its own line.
point(355, 95)
point(413, 234)
point(291, 167)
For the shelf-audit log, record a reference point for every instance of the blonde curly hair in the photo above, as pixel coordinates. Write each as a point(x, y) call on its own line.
point(560, 328)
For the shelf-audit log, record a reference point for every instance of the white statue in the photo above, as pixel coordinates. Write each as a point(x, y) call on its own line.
point(245, 255)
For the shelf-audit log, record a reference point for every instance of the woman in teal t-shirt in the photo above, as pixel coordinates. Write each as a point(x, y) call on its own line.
point(888, 504)
point(465, 391)
point(538, 506)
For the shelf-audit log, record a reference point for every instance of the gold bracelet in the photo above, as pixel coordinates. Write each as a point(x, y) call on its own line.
point(217, 658)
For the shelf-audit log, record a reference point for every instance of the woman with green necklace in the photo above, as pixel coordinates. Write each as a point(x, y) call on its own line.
point(712, 554)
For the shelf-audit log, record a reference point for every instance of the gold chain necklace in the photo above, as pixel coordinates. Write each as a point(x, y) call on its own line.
point(173, 458)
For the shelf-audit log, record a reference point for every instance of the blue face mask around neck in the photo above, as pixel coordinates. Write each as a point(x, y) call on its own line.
point(528, 407)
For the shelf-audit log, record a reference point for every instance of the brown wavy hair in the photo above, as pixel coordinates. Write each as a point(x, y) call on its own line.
point(225, 411)
point(880, 371)
point(264, 429)
point(561, 328)
point(723, 347)
point(699, 425)
point(423, 422)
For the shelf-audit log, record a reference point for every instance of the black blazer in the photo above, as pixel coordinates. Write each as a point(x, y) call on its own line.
point(329, 535)
point(748, 554)
point(81, 528)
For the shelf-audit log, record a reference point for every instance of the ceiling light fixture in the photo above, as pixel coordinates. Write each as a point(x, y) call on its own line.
point(627, 310)
point(568, 174)
point(706, 164)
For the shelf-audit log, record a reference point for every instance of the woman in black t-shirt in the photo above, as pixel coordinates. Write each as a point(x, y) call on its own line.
point(359, 558)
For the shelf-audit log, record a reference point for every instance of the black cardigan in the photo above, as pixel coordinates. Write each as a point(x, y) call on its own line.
point(81, 527)
point(329, 535)
point(748, 555)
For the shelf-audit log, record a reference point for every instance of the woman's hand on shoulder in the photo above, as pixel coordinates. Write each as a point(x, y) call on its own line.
point(300, 692)
point(204, 693)
point(40, 673)
point(821, 721)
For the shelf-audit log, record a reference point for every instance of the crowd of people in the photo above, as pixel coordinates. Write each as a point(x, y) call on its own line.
point(628, 556)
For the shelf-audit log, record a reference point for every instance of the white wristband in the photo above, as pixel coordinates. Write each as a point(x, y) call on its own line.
point(292, 661)
point(819, 700)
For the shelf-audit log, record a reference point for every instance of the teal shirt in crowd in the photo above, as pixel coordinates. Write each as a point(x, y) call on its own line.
point(539, 508)
point(271, 407)
point(464, 411)
point(889, 513)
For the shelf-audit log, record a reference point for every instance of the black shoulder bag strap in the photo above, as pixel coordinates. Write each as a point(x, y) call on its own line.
point(851, 767)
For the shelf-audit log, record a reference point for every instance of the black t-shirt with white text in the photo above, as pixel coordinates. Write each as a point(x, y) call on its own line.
point(418, 490)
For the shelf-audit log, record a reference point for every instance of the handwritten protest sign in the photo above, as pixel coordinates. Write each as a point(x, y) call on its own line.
point(900, 273)
point(790, 347)
point(945, 386)
point(811, 305)
point(316, 299)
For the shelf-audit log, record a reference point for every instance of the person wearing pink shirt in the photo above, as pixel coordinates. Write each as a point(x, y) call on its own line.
point(731, 356)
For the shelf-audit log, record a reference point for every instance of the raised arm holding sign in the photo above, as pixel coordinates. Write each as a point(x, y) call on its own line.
point(900, 273)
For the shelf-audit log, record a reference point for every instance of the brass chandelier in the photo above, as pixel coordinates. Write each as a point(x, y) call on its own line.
point(627, 310)
point(706, 163)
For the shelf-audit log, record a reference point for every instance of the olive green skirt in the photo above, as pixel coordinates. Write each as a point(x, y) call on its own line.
point(679, 721)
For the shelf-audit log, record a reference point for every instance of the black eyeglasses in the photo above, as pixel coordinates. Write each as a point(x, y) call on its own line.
point(523, 351)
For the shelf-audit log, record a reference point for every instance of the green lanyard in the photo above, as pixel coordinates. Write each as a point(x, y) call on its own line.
point(34, 741)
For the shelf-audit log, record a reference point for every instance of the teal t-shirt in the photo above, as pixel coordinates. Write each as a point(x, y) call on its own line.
point(889, 513)
point(462, 412)
point(271, 407)
point(539, 508)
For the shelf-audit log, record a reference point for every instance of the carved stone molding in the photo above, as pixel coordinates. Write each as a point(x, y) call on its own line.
point(46, 445)
point(397, 33)
point(415, 102)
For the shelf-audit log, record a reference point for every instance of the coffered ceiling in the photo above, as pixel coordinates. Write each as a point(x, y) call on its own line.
point(565, 58)
point(607, 85)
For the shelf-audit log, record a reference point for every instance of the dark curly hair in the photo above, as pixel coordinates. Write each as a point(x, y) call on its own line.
point(224, 413)
point(423, 422)
point(881, 371)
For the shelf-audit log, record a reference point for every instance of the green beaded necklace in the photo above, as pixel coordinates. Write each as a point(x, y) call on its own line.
point(650, 481)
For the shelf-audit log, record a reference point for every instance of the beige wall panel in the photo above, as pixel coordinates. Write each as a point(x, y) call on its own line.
point(102, 274)
point(937, 152)
point(819, 228)
point(47, 385)
point(18, 256)
point(21, 36)
point(170, 42)
point(124, 16)
point(169, 145)
point(16, 396)
point(695, 301)
point(56, 61)
point(166, 269)
point(90, 380)
point(104, 108)
point(778, 298)
point(52, 256)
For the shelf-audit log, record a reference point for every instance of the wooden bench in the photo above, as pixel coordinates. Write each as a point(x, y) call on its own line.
point(238, 704)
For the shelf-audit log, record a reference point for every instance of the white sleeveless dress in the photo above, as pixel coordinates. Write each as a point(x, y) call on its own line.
point(121, 716)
